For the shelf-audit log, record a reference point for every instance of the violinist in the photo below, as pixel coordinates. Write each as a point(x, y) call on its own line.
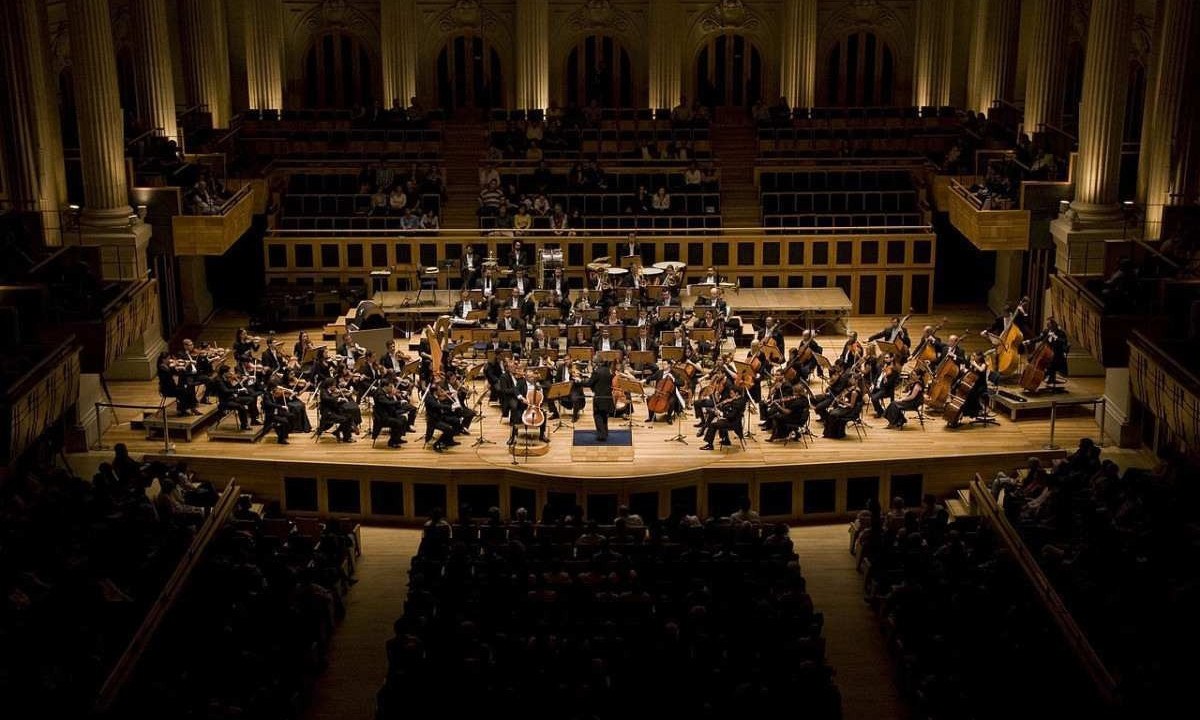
point(727, 416)
point(170, 385)
point(393, 359)
point(883, 383)
point(277, 413)
point(232, 397)
point(709, 320)
point(838, 384)
point(392, 411)
point(244, 345)
point(302, 346)
point(709, 393)
point(852, 351)
point(846, 407)
point(273, 358)
point(563, 372)
point(368, 375)
point(440, 417)
point(194, 368)
point(788, 412)
point(333, 412)
point(293, 386)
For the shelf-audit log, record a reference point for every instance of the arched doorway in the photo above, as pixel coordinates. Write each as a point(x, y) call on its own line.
point(469, 73)
point(339, 71)
point(860, 70)
point(729, 72)
point(1135, 97)
point(598, 68)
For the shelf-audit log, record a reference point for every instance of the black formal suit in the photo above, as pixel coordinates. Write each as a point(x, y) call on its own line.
point(601, 383)
point(730, 419)
point(883, 386)
point(271, 359)
point(234, 399)
point(278, 416)
point(390, 413)
point(510, 323)
point(598, 343)
point(890, 335)
point(647, 343)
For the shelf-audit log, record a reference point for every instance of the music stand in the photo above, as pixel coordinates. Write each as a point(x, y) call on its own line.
point(580, 353)
point(704, 335)
point(556, 392)
point(551, 313)
point(673, 353)
point(631, 388)
point(606, 355)
point(641, 357)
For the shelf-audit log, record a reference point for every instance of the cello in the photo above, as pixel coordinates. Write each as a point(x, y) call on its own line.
point(534, 415)
point(958, 398)
point(1038, 364)
point(664, 390)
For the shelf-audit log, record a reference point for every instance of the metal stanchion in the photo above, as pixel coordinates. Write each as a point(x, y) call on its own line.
point(1053, 417)
point(1103, 416)
point(99, 430)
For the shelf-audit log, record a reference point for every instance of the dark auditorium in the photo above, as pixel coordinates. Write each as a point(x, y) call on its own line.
point(599, 359)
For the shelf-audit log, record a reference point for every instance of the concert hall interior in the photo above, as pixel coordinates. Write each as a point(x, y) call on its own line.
point(601, 358)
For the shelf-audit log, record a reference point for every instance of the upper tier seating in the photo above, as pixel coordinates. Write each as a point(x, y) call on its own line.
point(833, 198)
point(877, 131)
point(336, 201)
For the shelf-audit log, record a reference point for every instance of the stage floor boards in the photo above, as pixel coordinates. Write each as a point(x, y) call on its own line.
point(653, 454)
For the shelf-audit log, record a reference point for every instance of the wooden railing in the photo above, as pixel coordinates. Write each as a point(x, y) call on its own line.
point(1102, 680)
point(123, 670)
point(127, 317)
point(1168, 389)
point(214, 234)
point(987, 229)
point(38, 399)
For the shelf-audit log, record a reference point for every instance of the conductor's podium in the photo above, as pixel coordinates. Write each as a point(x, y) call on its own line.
point(617, 448)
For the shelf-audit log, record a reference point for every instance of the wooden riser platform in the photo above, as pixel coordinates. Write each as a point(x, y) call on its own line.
point(1080, 393)
point(184, 427)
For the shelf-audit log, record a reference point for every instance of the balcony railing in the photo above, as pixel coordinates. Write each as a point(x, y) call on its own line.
point(1168, 389)
point(986, 229)
point(107, 336)
point(1083, 316)
point(38, 399)
point(214, 234)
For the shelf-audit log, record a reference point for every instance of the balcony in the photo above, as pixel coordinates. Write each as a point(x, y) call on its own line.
point(1161, 381)
point(120, 323)
point(37, 395)
point(987, 229)
point(1091, 328)
point(214, 234)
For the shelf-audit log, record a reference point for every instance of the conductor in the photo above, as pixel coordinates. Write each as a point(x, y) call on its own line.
point(601, 383)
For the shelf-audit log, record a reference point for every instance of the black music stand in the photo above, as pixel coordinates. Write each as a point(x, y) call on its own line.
point(554, 393)
point(481, 440)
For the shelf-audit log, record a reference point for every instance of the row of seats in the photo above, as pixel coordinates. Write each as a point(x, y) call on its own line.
point(870, 201)
point(928, 146)
point(834, 180)
point(336, 223)
point(878, 222)
point(870, 115)
point(606, 115)
point(329, 117)
point(865, 134)
point(615, 183)
point(652, 131)
point(352, 151)
point(668, 224)
point(297, 204)
point(347, 135)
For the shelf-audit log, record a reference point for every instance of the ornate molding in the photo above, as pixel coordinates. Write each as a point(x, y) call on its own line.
point(866, 16)
point(730, 15)
point(598, 15)
point(339, 15)
point(1142, 42)
point(467, 15)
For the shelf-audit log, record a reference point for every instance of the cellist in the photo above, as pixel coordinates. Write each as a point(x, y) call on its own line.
point(664, 382)
point(1053, 336)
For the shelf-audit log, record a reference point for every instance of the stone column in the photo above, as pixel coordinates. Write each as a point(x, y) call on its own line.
point(532, 54)
point(798, 74)
point(399, 25)
point(101, 126)
point(205, 46)
point(665, 57)
point(264, 54)
point(1102, 111)
point(32, 140)
point(155, 76)
point(931, 74)
point(1165, 135)
point(993, 56)
point(1045, 73)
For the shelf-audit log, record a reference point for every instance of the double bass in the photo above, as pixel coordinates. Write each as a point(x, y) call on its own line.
point(925, 353)
point(1008, 353)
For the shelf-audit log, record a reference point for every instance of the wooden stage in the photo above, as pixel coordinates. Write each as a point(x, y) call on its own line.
point(940, 458)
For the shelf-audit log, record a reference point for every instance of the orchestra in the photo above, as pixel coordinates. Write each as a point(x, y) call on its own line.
point(541, 356)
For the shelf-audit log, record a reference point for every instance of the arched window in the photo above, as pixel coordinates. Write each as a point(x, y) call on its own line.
point(1073, 90)
point(338, 72)
point(729, 72)
point(1135, 95)
point(598, 68)
point(860, 70)
point(469, 73)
